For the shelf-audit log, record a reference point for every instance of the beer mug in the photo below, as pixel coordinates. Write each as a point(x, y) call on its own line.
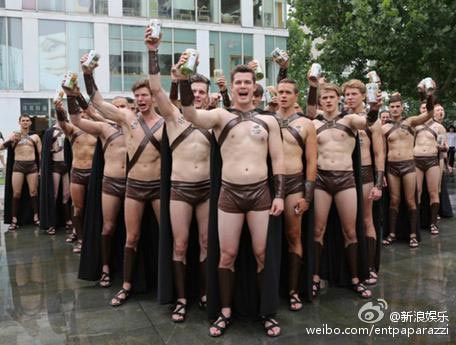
point(70, 80)
point(155, 25)
point(92, 59)
point(259, 74)
point(315, 72)
point(218, 73)
point(189, 66)
point(371, 92)
point(279, 56)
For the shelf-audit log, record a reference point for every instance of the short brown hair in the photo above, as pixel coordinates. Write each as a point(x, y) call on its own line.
point(199, 78)
point(242, 69)
point(24, 115)
point(258, 91)
point(354, 84)
point(329, 87)
point(395, 97)
point(292, 82)
point(141, 83)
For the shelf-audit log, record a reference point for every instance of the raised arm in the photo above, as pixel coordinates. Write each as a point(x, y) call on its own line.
point(106, 109)
point(311, 109)
point(424, 117)
point(62, 119)
point(167, 109)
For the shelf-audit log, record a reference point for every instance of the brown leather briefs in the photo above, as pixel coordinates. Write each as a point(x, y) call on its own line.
point(25, 167)
point(426, 162)
point(114, 186)
point(193, 193)
point(335, 181)
point(59, 167)
point(294, 183)
point(401, 168)
point(367, 174)
point(242, 198)
point(80, 176)
point(142, 190)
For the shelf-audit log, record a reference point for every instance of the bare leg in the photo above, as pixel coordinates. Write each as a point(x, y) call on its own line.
point(394, 186)
point(409, 182)
point(295, 251)
point(65, 200)
point(369, 231)
point(17, 181)
point(229, 231)
point(347, 210)
point(134, 210)
point(32, 182)
point(419, 183)
point(432, 180)
point(110, 207)
point(202, 217)
point(78, 196)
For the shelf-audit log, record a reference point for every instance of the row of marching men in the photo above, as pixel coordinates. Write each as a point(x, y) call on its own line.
point(227, 194)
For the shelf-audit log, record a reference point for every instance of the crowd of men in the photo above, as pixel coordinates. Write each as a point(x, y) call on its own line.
point(216, 203)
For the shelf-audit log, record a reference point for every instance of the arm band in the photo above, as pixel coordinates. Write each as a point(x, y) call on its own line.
point(154, 68)
point(61, 116)
point(422, 96)
point(90, 85)
point(186, 93)
point(82, 102)
point(430, 103)
point(372, 116)
point(174, 92)
point(73, 108)
point(226, 98)
point(279, 186)
point(379, 179)
point(7, 144)
point(309, 188)
point(283, 72)
point(312, 97)
point(444, 149)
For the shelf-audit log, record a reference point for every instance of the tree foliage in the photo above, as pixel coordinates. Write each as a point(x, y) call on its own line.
point(404, 40)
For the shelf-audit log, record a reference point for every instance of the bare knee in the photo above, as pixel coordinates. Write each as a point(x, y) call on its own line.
point(411, 203)
point(227, 259)
point(180, 250)
point(294, 239)
point(350, 236)
point(434, 196)
point(17, 194)
point(132, 240)
point(108, 227)
point(319, 232)
point(78, 211)
point(33, 193)
point(394, 202)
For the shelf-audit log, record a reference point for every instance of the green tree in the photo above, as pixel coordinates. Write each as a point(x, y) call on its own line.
point(404, 40)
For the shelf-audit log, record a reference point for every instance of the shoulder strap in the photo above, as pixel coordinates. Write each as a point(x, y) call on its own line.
point(369, 133)
point(429, 129)
point(391, 130)
point(297, 136)
point(206, 133)
point(181, 137)
point(284, 123)
point(250, 116)
point(335, 124)
point(148, 137)
point(75, 136)
point(112, 137)
point(407, 128)
point(232, 123)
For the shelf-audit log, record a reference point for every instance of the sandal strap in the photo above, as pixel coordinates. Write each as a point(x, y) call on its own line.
point(105, 277)
point(294, 298)
point(273, 323)
point(121, 291)
point(221, 318)
point(179, 308)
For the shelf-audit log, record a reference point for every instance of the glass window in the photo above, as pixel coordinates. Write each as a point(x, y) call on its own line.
point(230, 11)
point(208, 11)
point(29, 4)
point(214, 52)
point(232, 51)
point(2, 3)
point(280, 13)
point(51, 5)
point(272, 42)
point(101, 7)
point(135, 8)
point(183, 39)
point(61, 46)
point(11, 73)
point(134, 55)
point(79, 6)
point(166, 58)
point(161, 8)
point(184, 9)
point(115, 57)
point(268, 13)
point(258, 12)
point(247, 40)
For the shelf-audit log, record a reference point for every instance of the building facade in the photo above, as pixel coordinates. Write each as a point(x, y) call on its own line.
point(40, 40)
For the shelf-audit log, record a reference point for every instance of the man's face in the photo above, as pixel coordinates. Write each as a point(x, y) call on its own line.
point(439, 113)
point(287, 95)
point(200, 94)
point(143, 99)
point(384, 117)
point(396, 109)
point(25, 123)
point(423, 108)
point(329, 101)
point(120, 103)
point(242, 88)
point(353, 98)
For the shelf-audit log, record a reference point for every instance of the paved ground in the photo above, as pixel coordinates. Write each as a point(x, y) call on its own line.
point(42, 301)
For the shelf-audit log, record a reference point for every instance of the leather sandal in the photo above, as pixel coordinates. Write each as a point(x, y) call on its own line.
point(362, 290)
point(119, 299)
point(434, 229)
point(413, 243)
point(105, 280)
point(13, 226)
point(217, 325)
point(180, 310)
point(295, 300)
point(51, 231)
point(389, 239)
point(272, 324)
point(315, 288)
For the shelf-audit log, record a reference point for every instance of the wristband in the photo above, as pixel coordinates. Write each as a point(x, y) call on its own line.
point(309, 188)
point(7, 143)
point(283, 72)
point(430, 103)
point(61, 115)
point(312, 97)
point(379, 180)
point(82, 102)
point(226, 98)
point(186, 93)
point(154, 68)
point(279, 186)
point(90, 85)
point(174, 92)
point(372, 116)
point(73, 107)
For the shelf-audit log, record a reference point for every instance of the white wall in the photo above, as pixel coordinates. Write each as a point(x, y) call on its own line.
point(11, 109)
point(202, 45)
point(258, 52)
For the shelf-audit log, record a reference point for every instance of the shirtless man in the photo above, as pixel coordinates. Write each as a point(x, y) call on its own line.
point(335, 179)
point(245, 139)
point(370, 138)
point(299, 139)
point(83, 147)
point(60, 175)
point(143, 133)
point(25, 166)
point(385, 116)
point(190, 185)
point(114, 173)
point(426, 153)
point(399, 136)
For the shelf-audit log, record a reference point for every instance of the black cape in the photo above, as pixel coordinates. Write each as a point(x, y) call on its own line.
point(51, 212)
point(334, 266)
point(247, 302)
point(25, 210)
point(165, 289)
point(446, 211)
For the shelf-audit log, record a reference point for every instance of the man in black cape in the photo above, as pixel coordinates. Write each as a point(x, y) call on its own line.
point(55, 205)
point(241, 188)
